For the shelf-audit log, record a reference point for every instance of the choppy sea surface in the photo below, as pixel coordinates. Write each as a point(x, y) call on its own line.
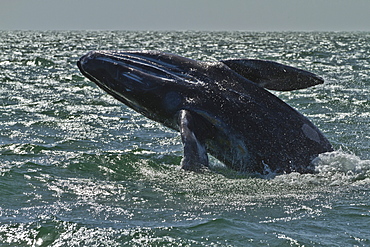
point(78, 168)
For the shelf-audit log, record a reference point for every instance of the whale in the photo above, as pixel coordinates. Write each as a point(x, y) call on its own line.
point(221, 108)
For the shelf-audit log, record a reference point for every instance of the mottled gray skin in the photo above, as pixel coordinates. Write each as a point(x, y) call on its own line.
point(217, 107)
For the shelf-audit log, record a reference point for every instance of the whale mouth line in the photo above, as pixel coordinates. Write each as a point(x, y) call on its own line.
point(143, 68)
point(109, 85)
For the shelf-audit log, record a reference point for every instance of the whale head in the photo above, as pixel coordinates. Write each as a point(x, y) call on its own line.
point(150, 83)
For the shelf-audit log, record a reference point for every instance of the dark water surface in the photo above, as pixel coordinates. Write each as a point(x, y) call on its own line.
point(78, 168)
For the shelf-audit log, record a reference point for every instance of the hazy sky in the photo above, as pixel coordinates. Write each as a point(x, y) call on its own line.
point(249, 15)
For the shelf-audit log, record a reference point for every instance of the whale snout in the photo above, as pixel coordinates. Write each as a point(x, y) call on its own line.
point(87, 65)
point(132, 71)
point(108, 72)
point(84, 60)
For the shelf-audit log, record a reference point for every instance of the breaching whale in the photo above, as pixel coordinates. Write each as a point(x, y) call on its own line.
point(220, 108)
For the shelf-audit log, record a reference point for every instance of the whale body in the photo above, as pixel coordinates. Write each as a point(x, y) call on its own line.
point(221, 108)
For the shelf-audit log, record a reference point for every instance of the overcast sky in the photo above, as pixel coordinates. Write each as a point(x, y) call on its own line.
point(248, 15)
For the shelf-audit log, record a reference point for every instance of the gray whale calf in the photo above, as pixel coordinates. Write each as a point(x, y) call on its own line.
point(221, 108)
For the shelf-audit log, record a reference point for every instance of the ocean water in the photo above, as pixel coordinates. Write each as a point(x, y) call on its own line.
point(78, 168)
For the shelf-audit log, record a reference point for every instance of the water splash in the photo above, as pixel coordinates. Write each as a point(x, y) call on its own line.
point(343, 168)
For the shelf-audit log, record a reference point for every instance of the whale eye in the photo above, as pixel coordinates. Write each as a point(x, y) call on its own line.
point(172, 100)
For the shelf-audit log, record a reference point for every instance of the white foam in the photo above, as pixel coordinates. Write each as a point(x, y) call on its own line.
point(342, 168)
point(332, 169)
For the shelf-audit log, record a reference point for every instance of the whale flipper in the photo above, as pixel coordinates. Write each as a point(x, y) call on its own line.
point(195, 154)
point(272, 75)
